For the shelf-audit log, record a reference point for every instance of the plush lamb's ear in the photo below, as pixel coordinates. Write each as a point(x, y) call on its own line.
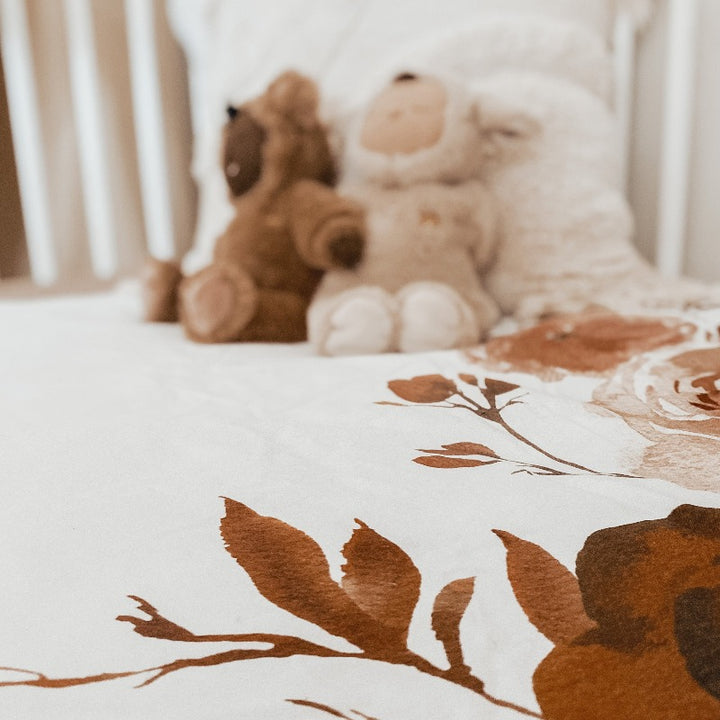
point(506, 130)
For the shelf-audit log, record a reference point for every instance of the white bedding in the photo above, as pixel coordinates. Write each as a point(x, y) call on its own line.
point(120, 442)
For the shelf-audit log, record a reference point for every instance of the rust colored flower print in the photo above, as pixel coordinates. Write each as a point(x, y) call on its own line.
point(592, 343)
point(673, 400)
point(645, 643)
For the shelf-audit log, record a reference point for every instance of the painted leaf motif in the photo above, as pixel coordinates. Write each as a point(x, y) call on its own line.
point(450, 606)
point(445, 462)
point(545, 589)
point(381, 579)
point(499, 387)
point(469, 379)
point(290, 570)
point(424, 389)
point(469, 448)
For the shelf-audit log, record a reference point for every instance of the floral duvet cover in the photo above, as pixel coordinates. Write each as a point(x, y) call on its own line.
point(529, 528)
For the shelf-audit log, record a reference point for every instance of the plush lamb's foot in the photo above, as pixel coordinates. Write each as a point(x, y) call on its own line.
point(159, 282)
point(358, 322)
point(217, 303)
point(434, 317)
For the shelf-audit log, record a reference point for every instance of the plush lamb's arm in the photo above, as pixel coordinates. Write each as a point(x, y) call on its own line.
point(328, 229)
point(484, 226)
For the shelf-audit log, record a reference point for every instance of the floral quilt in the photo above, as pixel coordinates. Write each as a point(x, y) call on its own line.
point(529, 528)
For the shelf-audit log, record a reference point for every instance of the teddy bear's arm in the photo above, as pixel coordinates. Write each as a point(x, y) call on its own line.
point(328, 229)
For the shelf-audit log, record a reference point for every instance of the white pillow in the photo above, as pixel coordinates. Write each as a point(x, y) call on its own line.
point(235, 48)
point(567, 241)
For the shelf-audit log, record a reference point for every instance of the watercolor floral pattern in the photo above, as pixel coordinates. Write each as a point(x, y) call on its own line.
point(653, 591)
point(672, 400)
point(586, 343)
point(660, 376)
point(487, 400)
point(642, 614)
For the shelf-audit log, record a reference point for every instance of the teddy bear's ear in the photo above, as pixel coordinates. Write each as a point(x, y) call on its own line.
point(296, 97)
point(506, 131)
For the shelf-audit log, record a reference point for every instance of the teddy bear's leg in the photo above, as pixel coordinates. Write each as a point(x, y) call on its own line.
point(280, 317)
point(433, 316)
point(217, 303)
point(159, 282)
point(355, 322)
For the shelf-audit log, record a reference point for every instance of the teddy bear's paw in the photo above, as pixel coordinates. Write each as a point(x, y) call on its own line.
point(362, 322)
point(217, 303)
point(434, 317)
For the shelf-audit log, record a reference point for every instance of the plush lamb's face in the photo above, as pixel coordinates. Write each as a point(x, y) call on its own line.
point(417, 129)
point(408, 116)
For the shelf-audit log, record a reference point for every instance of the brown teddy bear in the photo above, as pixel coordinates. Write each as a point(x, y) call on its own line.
point(413, 159)
point(289, 226)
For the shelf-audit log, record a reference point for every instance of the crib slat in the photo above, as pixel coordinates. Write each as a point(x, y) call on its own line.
point(27, 140)
point(624, 58)
point(87, 105)
point(677, 135)
point(149, 128)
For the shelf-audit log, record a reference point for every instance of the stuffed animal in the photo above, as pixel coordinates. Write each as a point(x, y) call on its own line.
point(413, 159)
point(288, 227)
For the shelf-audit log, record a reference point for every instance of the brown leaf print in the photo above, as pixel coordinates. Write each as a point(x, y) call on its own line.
point(450, 606)
point(653, 588)
point(424, 389)
point(469, 379)
point(290, 570)
point(381, 579)
point(585, 343)
point(545, 589)
point(499, 387)
point(436, 392)
point(449, 463)
point(643, 645)
point(464, 448)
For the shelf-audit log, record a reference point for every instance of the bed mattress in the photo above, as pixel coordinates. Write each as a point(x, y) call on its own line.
point(529, 528)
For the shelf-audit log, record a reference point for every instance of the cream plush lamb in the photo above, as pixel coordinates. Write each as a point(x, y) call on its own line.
point(413, 160)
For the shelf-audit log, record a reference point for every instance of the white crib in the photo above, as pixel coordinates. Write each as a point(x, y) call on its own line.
point(166, 211)
point(157, 187)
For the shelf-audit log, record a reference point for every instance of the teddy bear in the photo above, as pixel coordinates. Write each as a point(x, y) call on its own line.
point(289, 226)
point(413, 160)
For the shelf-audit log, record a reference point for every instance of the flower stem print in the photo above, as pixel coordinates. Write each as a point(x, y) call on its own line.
point(371, 607)
point(330, 710)
point(440, 392)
